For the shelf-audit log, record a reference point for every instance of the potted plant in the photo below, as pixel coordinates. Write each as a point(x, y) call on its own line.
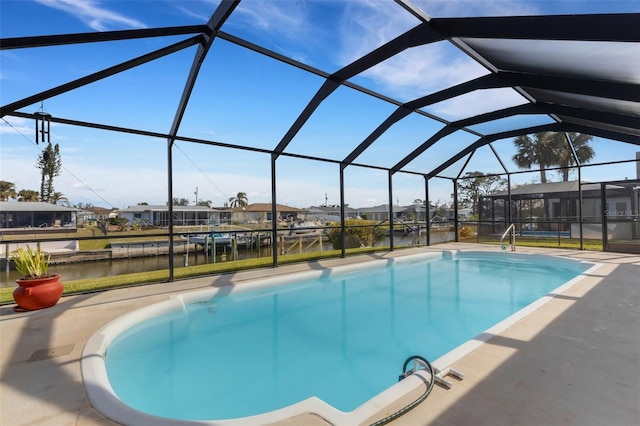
point(37, 289)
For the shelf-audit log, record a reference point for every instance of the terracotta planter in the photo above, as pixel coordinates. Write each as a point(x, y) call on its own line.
point(38, 293)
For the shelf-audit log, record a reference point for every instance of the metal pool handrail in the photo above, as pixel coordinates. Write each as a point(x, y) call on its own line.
point(511, 228)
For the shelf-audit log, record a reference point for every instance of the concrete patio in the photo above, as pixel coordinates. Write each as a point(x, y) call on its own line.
point(574, 361)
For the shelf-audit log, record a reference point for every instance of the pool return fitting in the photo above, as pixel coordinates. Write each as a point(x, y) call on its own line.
point(436, 375)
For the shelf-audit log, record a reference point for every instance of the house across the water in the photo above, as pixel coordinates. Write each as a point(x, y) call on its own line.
point(22, 217)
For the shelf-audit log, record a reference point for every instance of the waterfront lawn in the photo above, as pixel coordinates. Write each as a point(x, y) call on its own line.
point(89, 285)
point(565, 243)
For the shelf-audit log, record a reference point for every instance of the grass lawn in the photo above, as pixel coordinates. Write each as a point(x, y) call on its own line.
point(105, 283)
point(139, 278)
point(565, 243)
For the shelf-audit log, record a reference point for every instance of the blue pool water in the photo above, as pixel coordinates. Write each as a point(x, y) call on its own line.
point(342, 337)
point(565, 234)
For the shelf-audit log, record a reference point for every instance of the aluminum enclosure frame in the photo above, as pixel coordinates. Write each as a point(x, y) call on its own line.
point(462, 33)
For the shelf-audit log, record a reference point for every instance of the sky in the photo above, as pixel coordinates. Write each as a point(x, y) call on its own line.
point(244, 99)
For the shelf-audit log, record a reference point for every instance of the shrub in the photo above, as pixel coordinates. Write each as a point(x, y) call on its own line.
point(465, 232)
point(359, 233)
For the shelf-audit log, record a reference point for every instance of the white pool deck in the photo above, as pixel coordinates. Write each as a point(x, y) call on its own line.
point(574, 361)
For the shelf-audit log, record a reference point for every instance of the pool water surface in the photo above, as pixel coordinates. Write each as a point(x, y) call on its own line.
point(339, 335)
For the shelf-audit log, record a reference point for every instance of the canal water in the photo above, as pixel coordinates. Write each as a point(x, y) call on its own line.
point(103, 268)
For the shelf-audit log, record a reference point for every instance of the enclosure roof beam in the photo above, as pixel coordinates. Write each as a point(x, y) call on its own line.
point(623, 120)
point(222, 12)
point(528, 108)
point(553, 127)
point(100, 36)
point(598, 88)
point(605, 89)
point(418, 35)
point(489, 80)
point(14, 106)
point(619, 27)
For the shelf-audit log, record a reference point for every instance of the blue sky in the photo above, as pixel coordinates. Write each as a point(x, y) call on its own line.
point(243, 98)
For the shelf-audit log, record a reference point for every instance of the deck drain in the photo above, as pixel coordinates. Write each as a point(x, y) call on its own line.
point(49, 353)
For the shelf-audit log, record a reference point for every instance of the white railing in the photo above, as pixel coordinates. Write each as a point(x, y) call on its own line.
point(511, 228)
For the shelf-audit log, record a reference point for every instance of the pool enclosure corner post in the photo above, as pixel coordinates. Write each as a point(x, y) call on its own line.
point(603, 216)
point(274, 211)
point(455, 210)
point(509, 201)
point(427, 215)
point(222, 12)
point(170, 204)
point(343, 233)
point(580, 214)
point(574, 154)
point(391, 217)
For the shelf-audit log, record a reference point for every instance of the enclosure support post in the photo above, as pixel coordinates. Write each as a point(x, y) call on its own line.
point(580, 216)
point(170, 204)
point(509, 215)
point(455, 209)
point(427, 216)
point(343, 234)
point(274, 210)
point(603, 215)
point(391, 218)
point(577, 161)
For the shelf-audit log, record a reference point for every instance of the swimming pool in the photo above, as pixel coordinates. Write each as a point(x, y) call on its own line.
point(564, 234)
point(335, 337)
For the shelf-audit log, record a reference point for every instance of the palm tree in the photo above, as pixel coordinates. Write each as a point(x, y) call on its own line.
point(7, 190)
point(240, 200)
point(28, 195)
point(583, 151)
point(59, 198)
point(542, 150)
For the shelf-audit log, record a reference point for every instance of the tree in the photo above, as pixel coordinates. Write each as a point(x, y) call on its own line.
point(143, 203)
point(28, 195)
point(83, 206)
point(473, 185)
point(59, 198)
point(180, 202)
point(583, 150)
point(205, 203)
point(7, 190)
point(541, 149)
point(240, 200)
point(50, 164)
point(549, 149)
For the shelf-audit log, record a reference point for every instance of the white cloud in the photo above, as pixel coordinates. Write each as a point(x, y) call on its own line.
point(470, 8)
point(422, 70)
point(367, 25)
point(15, 125)
point(287, 18)
point(477, 102)
point(93, 14)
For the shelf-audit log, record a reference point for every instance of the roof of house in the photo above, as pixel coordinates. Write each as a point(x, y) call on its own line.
point(548, 188)
point(329, 209)
point(382, 208)
point(26, 206)
point(266, 207)
point(164, 208)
